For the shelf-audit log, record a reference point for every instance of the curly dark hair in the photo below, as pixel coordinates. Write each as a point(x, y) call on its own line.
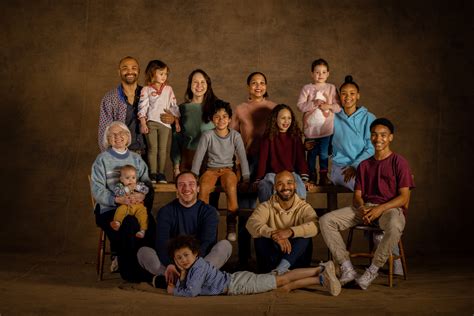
point(183, 241)
point(272, 128)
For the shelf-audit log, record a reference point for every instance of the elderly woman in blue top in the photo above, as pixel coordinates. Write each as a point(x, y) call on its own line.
point(351, 140)
point(105, 175)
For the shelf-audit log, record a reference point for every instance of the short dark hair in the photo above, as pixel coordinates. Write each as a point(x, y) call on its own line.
point(222, 105)
point(183, 241)
point(384, 122)
point(319, 62)
point(183, 173)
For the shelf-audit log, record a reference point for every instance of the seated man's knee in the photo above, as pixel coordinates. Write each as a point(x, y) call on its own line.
point(224, 246)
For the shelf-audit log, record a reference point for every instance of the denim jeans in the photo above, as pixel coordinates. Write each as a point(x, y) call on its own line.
point(269, 253)
point(321, 149)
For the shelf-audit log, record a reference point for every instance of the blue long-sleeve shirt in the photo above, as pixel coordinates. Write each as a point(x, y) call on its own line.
point(351, 139)
point(202, 278)
point(173, 219)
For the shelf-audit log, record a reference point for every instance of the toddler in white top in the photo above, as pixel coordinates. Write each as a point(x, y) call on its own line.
point(157, 97)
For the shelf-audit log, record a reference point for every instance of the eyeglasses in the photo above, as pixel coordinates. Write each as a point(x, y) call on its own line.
point(118, 134)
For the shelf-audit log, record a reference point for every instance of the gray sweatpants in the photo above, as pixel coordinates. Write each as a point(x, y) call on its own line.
point(331, 224)
point(218, 256)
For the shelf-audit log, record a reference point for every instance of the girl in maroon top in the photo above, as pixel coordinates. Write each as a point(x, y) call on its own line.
point(281, 149)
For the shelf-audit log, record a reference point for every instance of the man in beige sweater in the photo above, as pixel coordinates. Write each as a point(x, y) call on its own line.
point(282, 228)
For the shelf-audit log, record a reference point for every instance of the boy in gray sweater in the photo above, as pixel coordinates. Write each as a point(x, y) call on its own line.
point(221, 144)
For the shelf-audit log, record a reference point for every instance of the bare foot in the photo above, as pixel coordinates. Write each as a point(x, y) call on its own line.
point(115, 225)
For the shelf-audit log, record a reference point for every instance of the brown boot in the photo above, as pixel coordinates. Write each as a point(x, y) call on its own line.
point(323, 179)
point(231, 226)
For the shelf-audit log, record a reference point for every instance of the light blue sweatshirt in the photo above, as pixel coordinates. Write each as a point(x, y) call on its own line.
point(106, 173)
point(351, 140)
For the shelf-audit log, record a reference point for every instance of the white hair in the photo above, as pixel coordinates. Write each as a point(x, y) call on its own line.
point(105, 140)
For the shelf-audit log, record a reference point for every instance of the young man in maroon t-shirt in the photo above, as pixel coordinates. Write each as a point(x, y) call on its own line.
point(381, 196)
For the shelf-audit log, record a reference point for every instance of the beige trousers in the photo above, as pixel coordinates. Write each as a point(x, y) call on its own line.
point(392, 222)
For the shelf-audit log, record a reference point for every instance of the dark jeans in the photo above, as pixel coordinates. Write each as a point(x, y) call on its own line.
point(124, 244)
point(269, 253)
point(321, 149)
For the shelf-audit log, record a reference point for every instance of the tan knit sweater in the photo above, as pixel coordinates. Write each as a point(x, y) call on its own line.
point(269, 216)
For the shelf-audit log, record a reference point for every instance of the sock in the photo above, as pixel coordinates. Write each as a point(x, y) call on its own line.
point(283, 266)
point(347, 265)
point(373, 269)
point(323, 267)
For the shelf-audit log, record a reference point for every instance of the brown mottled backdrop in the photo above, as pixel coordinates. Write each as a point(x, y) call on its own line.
point(58, 58)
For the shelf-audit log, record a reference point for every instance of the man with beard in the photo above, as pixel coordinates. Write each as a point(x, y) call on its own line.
point(185, 215)
point(282, 228)
point(121, 104)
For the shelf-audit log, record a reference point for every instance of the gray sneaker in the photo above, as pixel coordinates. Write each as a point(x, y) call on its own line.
point(366, 279)
point(348, 275)
point(397, 267)
point(329, 280)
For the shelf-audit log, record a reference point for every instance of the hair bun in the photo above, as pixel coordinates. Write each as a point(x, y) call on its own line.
point(348, 79)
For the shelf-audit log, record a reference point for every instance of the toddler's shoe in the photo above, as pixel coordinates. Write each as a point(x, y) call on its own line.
point(140, 234)
point(115, 225)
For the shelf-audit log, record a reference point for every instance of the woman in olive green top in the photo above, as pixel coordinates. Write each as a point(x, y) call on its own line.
point(195, 119)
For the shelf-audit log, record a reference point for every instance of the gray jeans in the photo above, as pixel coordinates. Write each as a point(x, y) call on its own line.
point(218, 256)
point(392, 222)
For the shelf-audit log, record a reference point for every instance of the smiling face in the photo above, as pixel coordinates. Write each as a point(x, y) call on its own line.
point(381, 137)
point(187, 189)
point(320, 74)
point(257, 87)
point(349, 98)
point(160, 76)
point(184, 257)
point(129, 71)
point(283, 120)
point(285, 185)
point(117, 137)
point(221, 120)
point(198, 86)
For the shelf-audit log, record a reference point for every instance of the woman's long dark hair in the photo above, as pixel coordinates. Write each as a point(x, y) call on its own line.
point(209, 97)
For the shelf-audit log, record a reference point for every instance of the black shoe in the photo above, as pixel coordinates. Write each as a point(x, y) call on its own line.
point(153, 177)
point(161, 178)
point(159, 282)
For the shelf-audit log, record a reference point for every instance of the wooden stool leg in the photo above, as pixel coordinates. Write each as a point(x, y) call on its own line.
point(402, 257)
point(390, 270)
point(101, 255)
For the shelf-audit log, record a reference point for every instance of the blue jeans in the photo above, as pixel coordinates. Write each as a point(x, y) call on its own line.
point(321, 149)
point(265, 187)
point(269, 253)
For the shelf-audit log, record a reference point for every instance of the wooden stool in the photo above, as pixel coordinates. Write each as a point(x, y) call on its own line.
point(371, 230)
point(102, 248)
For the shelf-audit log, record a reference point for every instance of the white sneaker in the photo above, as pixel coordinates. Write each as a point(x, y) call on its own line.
point(114, 267)
point(329, 280)
point(348, 275)
point(397, 267)
point(231, 236)
point(366, 279)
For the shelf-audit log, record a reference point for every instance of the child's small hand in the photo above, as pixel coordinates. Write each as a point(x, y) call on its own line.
point(318, 102)
point(308, 145)
point(144, 129)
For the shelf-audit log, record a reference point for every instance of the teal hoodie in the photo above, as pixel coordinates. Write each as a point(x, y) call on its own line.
point(351, 140)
